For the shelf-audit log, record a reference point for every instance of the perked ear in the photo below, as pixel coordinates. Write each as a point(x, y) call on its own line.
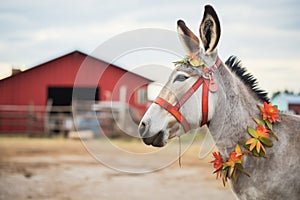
point(188, 39)
point(210, 29)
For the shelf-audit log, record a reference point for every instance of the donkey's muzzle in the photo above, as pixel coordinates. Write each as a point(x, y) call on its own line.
point(156, 140)
point(143, 128)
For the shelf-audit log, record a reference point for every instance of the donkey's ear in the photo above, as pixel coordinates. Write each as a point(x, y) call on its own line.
point(210, 29)
point(188, 39)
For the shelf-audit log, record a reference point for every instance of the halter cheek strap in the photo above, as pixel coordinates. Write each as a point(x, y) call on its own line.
point(207, 86)
point(205, 103)
point(174, 111)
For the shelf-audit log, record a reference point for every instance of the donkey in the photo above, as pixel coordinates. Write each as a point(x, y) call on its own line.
point(227, 109)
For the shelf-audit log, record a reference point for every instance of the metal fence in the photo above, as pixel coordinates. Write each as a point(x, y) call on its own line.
point(25, 119)
point(47, 121)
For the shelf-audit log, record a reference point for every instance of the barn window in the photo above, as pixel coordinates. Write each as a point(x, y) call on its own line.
point(141, 96)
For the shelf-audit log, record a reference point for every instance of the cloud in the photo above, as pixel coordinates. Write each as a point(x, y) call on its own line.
point(275, 74)
point(256, 31)
point(5, 70)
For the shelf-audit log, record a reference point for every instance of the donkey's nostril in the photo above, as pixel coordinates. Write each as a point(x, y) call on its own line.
point(143, 128)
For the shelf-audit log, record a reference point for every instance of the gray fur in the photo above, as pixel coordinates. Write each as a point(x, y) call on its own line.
point(273, 177)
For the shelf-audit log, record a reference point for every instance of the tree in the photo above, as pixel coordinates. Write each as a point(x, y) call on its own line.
point(275, 94)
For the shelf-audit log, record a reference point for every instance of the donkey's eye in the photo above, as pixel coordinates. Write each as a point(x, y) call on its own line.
point(180, 78)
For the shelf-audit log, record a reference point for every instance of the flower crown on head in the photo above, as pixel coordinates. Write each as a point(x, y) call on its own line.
point(193, 59)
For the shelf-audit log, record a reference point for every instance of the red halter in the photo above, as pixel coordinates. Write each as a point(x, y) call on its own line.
point(209, 85)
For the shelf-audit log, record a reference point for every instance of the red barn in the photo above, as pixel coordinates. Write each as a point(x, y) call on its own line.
point(56, 79)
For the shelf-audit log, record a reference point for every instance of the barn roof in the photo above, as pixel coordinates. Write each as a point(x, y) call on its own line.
point(68, 54)
point(291, 98)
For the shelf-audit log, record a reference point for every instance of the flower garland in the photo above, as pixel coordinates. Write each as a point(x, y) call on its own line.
point(260, 136)
point(193, 59)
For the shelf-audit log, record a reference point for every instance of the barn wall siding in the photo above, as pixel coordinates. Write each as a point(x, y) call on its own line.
point(75, 68)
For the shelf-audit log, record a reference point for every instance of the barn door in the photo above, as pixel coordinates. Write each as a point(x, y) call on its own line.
point(63, 96)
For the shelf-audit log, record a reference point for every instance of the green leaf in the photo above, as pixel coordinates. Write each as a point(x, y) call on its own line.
point(269, 125)
point(225, 176)
point(235, 177)
point(255, 152)
point(224, 180)
point(241, 168)
point(184, 60)
point(231, 171)
point(252, 132)
point(262, 154)
point(259, 121)
point(196, 62)
point(179, 62)
point(274, 135)
point(243, 142)
point(266, 141)
point(258, 107)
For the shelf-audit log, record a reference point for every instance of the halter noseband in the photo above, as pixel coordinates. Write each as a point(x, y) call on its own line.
point(209, 85)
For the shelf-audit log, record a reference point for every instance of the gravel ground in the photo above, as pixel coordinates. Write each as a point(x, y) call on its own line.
point(63, 169)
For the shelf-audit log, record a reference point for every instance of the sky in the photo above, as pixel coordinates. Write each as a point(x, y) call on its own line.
point(265, 35)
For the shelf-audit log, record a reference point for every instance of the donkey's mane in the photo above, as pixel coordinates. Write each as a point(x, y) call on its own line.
point(248, 79)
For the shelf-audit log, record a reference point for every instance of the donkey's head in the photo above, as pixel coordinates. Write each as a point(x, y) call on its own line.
point(183, 102)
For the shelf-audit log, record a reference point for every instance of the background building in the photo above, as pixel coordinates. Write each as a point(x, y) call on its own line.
point(287, 102)
point(74, 76)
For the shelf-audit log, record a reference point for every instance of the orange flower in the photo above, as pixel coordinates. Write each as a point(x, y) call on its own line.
point(260, 136)
point(229, 169)
point(262, 131)
point(234, 163)
point(255, 142)
point(235, 156)
point(269, 112)
point(218, 163)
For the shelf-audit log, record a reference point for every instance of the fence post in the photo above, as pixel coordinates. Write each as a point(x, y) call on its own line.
point(123, 93)
point(46, 117)
point(30, 120)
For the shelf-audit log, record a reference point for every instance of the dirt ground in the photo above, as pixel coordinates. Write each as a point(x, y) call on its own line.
point(63, 169)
